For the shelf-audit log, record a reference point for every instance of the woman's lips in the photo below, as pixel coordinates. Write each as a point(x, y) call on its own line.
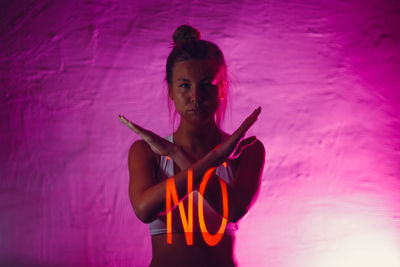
point(195, 111)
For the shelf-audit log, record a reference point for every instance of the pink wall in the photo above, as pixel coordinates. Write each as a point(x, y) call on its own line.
point(326, 74)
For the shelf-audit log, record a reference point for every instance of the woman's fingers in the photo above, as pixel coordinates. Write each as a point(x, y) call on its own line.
point(248, 142)
point(158, 144)
point(130, 125)
point(242, 145)
point(232, 147)
point(247, 123)
point(136, 128)
point(145, 134)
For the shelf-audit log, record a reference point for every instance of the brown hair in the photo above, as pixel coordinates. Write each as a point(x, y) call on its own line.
point(187, 45)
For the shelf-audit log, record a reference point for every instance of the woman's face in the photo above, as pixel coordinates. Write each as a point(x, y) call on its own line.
point(194, 89)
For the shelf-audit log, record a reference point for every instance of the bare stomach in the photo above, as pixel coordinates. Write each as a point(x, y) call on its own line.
point(199, 254)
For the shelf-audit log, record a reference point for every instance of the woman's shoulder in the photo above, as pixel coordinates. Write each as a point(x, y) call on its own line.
point(140, 149)
point(252, 156)
point(253, 152)
point(255, 149)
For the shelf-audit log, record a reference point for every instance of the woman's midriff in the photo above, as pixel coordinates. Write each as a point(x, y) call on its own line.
point(199, 254)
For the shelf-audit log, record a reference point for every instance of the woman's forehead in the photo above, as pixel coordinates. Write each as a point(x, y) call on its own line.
point(195, 69)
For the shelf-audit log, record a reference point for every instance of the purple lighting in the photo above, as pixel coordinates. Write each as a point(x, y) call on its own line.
point(326, 74)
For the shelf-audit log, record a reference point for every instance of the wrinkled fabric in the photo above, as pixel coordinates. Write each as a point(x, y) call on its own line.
point(326, 74)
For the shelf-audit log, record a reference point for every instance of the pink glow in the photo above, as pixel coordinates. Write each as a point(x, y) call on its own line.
point(213, 239)
point(354, 239)
point(326, 74)
point(187, 220)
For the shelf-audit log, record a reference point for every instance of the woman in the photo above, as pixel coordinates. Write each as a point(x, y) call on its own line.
point(197, 85)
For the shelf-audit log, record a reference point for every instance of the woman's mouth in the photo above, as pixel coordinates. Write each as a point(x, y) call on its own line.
point(195, 111)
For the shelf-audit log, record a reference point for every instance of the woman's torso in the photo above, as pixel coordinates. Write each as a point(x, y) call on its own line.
point(200, 253)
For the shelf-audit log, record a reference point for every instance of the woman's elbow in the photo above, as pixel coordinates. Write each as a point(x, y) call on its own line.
point(234, 219)
point(237, 214)
point(142, 211)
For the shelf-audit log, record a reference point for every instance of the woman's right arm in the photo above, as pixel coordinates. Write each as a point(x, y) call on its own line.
point(147, 195)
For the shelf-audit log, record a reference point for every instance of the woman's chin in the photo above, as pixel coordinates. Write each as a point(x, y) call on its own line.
point(199, 120)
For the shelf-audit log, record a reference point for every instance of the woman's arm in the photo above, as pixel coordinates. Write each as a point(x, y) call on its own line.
point(245, 187)
point(243, 191)
point(146, 194)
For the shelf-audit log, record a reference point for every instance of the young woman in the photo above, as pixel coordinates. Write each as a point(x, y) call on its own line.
point(197, 85)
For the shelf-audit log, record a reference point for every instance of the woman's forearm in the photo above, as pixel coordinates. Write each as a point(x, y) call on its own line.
point(152, 200)
point(213, 192)
point(181, 158)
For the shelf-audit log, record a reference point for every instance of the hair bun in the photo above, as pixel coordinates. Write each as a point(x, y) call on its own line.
point(185, 33)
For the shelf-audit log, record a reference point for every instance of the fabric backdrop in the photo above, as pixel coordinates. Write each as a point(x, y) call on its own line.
point(326, 74)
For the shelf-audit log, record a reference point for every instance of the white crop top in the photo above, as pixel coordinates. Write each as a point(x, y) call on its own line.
point(211, 217)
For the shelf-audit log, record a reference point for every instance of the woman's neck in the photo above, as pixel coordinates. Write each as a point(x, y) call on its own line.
point(197, 140)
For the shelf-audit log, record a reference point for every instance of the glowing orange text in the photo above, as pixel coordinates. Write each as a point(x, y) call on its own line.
point(187, 222)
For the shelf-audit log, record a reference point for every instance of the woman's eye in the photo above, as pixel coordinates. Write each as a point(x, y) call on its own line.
point(185, 85)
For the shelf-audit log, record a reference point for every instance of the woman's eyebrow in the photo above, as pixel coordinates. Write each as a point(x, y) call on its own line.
point(208, 78)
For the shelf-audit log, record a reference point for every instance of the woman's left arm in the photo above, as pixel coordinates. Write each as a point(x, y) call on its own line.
point(246, 184)
point(249, 156)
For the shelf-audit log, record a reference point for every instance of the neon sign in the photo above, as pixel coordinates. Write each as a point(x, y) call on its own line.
point(187, 222)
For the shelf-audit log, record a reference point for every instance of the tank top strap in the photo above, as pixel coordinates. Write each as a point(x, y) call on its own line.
point(170, 137)
point(166, 164)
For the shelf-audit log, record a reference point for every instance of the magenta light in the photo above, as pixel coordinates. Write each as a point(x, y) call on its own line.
point(326, 74)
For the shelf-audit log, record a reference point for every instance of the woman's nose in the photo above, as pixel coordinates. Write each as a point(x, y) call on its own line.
point(195, 94)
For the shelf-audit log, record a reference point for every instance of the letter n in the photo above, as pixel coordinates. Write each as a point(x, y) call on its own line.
point(170, 192)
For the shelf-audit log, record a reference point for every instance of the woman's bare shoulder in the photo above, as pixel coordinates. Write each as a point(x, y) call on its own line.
point(140, 149)
point(258, 146)
point(254, 151)
point(140, 146)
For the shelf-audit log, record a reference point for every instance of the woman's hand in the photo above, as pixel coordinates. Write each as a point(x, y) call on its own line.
point(229, 150)
point(158, 144)
point(233, 146)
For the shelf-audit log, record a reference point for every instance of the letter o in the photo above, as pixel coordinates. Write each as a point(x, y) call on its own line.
point(210, 239)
